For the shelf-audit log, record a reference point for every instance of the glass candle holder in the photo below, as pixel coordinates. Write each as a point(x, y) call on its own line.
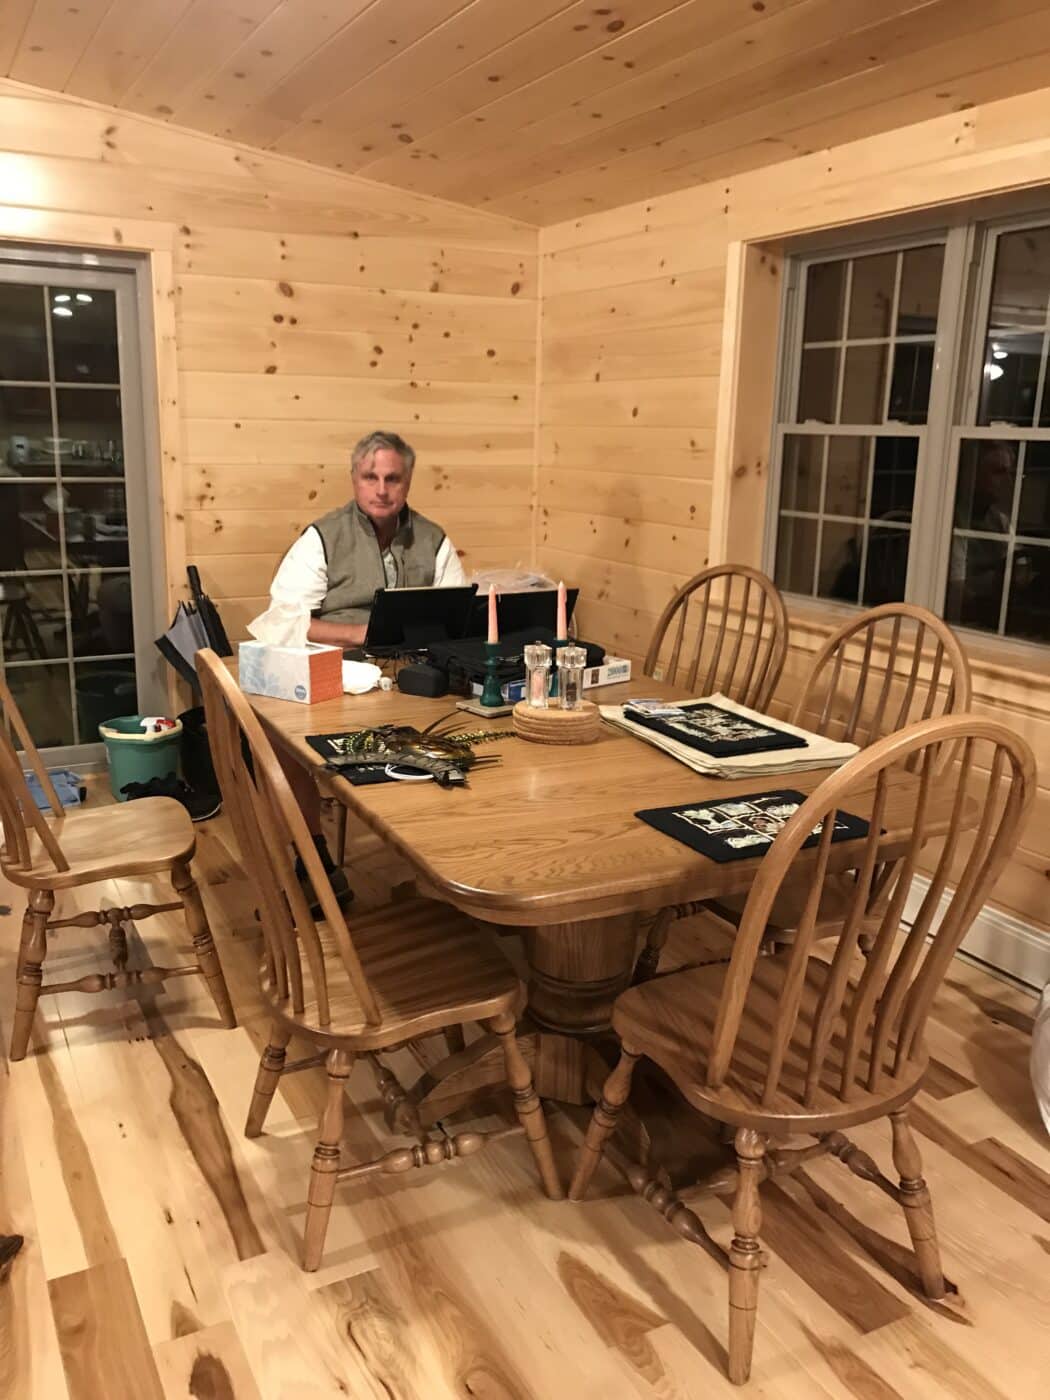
point(571, 661)
point(537, 675)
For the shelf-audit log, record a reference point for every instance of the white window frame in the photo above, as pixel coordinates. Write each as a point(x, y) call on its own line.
point(966, 284)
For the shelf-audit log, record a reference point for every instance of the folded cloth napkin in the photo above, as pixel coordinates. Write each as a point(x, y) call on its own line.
point(817, 753)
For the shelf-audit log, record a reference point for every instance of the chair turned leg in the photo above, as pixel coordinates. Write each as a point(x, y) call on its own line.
point(648, 963)
point(918, 1209)
point(270, 1066)
point(32, 951)
point(527, 1104)
point(745, 1254)
point(615, 1093)
point(203, 943)
point(325, 1166)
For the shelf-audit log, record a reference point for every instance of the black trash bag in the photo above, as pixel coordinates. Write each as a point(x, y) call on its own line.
point(197, 767)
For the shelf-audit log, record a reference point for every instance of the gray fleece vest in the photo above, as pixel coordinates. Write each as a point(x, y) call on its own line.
point(355, 562)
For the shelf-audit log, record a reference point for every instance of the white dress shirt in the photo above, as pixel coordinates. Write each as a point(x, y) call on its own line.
point(302, 575)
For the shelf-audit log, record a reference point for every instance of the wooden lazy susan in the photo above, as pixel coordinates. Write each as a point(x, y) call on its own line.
point(557, 726)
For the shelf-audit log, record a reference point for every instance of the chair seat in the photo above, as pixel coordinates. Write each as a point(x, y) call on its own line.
point(671, 1020)
point(142, 837)
point(835, 900)
point(428, 965)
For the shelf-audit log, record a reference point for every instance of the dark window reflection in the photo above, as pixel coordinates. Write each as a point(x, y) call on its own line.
point(33, 618)
point(825, 292)
point(920, 291)
point(1010, 379)
point(910, 386)
point(27, 447)
point(886, 569)
point(975, 581)
point(91, 439)
point(893, 478)
point(1028, 608)
point(96, 525)
point(796, 548)
point(985, 490)
point(23, 340)
point(84, 335)
point(1021, 281)
point(840, 550)
point(801, 472)
point(1033, 512)
point(42, 695)
point(871, 296)
point(817, 385)
point(847, 489)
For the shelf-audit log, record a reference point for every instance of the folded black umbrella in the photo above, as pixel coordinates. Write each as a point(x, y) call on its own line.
point(209, 615)
point(183, 640)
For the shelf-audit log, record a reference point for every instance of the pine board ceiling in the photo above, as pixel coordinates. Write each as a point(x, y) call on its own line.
point(540, 109)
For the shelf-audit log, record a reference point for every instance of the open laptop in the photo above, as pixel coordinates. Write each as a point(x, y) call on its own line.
point(409, 619)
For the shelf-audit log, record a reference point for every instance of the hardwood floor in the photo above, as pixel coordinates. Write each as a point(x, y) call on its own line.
point(161, 1245)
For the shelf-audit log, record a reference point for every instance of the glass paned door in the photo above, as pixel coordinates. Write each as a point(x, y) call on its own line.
point(73, 557)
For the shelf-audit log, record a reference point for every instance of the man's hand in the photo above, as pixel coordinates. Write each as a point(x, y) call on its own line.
point(336, 634)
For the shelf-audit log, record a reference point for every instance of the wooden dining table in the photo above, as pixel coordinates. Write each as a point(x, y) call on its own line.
point(546, 843)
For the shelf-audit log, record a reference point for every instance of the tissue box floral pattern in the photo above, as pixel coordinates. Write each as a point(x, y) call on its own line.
point(307, 674)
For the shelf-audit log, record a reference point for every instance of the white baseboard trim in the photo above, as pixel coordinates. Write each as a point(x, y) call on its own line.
point(999, 939)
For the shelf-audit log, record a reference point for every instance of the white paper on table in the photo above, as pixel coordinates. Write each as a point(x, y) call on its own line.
point(360, 677)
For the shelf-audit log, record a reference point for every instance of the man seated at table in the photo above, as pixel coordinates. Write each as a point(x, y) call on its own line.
point(375, 541)
point(335, 566)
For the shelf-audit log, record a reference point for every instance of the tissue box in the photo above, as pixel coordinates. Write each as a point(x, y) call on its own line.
point(309, 673)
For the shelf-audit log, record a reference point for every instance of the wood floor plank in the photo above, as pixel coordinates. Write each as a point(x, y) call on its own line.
point(207, 1365)
point(104, 1346)
point(1002, 1166)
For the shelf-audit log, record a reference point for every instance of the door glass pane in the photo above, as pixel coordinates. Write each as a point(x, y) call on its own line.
point(800, 474)
point(871, 296)
point(23, 340)
point(29, 526)
point(90, 437)
point(818, 385)
point(1033, 511)
point(1028, 608)
point(847, 491)
point(34, 617)
point(100, 612)
point(41, 692)
point(864, 384)
point(796, 551)
point(104, 690)
point(84, 333)
point(26, 445)
point(1021, 281)
point(825, 298)
point(96, 525)
point(1010, 378)
point(920, 292)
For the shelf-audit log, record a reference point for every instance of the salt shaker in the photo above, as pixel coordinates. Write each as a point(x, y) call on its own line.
point(537, 671)
point(571, 661)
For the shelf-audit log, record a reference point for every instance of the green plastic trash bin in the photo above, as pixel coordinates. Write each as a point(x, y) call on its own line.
point(135, 757)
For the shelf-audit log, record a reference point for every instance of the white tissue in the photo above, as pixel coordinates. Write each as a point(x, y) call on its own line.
point(359, 676)
point(281, 625)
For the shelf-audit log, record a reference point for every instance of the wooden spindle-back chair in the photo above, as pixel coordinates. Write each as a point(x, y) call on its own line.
point(405, 971)
point(881, 671)
point(741, 635)
point(798, 1044)
point(151, 836)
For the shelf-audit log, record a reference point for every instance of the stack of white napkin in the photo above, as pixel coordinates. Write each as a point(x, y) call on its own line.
point(818, 753)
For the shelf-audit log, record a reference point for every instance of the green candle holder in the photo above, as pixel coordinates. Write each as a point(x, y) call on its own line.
point(492, 693)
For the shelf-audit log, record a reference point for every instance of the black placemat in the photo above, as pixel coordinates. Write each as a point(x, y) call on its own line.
point(332, 748)
point(718, 732)
point(740, 828)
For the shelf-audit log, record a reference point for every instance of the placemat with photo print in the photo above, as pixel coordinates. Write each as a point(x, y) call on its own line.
point(718, 732)
point(738, 828)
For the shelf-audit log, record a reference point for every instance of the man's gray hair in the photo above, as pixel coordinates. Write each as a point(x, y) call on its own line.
point(372, 441)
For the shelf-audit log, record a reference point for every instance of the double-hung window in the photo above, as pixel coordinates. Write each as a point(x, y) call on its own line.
point(912, 445)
